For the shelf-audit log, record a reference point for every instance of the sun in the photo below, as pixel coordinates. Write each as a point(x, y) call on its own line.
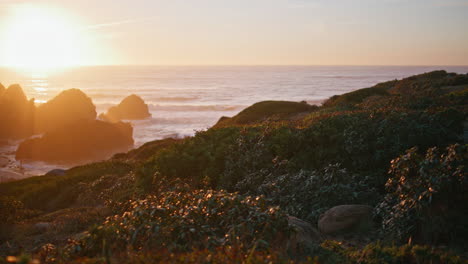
point(40, 38)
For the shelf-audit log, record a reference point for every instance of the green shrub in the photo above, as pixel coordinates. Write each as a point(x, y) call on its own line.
point(369, 140)
point(10, 209)
point(355, 97)
point(427, 196)
point(249, 153)
point(262, 111)
point(307, 194)
point(195, 159)
point(56, 192)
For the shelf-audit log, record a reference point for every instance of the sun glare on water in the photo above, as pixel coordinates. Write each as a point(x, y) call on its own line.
point(40, 38)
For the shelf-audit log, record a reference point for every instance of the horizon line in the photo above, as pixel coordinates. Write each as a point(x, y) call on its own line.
point(253, 65)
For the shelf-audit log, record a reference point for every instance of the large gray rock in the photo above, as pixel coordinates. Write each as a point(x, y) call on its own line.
point(344, 219)
point(304, 235)
point(42, 226)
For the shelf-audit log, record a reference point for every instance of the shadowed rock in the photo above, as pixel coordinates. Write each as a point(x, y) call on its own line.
point(78, 142)
point(66, 108)
point(344, 219)
point(16, 113)
point(131, 108)
point(303, 235)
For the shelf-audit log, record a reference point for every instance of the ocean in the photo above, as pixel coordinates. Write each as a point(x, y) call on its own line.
point(185, 99)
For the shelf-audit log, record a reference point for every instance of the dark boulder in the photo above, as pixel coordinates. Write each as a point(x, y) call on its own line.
point(344, 219)
point(304, 235)
point(16, 113)
point(79, 142)
point(131, 108)
point(66, 108)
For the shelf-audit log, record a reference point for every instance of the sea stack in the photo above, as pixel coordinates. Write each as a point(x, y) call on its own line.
point(131, 108)
point(16, 113)
point(78, 142)
point(66, 108)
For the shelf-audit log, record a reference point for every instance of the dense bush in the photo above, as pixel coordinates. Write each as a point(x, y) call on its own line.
point(262, 111)
point(11, 212)
point(248, 154)
point(194, 159)
point(181, 221)
point(307, 194)
point(355, 97)
point(369, 140)
point(56, 192)
point(10, 209)
point(335, 252)
point(363, 142)
point(427, 196)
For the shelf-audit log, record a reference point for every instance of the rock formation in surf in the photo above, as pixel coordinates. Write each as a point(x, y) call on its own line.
point(16, 113)
point(69, 107)
point(131, 108)
point(87, 140)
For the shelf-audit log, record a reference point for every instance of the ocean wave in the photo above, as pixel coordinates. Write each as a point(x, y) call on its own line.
point(158, 120)
point(199, 108)
point(173, 99)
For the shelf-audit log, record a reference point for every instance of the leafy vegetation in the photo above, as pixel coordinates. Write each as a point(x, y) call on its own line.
point(427, 196)
point(356, 97)
point(56, 192)
point(224, 195)
point(180, 221)
point(307, 194)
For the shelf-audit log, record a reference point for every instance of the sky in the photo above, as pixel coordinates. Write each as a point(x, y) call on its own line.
point(247, 32)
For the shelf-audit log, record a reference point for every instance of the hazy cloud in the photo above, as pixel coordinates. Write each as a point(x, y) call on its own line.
point(118, 23)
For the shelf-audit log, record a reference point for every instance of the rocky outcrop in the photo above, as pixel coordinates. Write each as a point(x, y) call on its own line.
point(131, 108)
point(78, 142)
point(16, 113)
point(344, 219)
point(69, 107)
